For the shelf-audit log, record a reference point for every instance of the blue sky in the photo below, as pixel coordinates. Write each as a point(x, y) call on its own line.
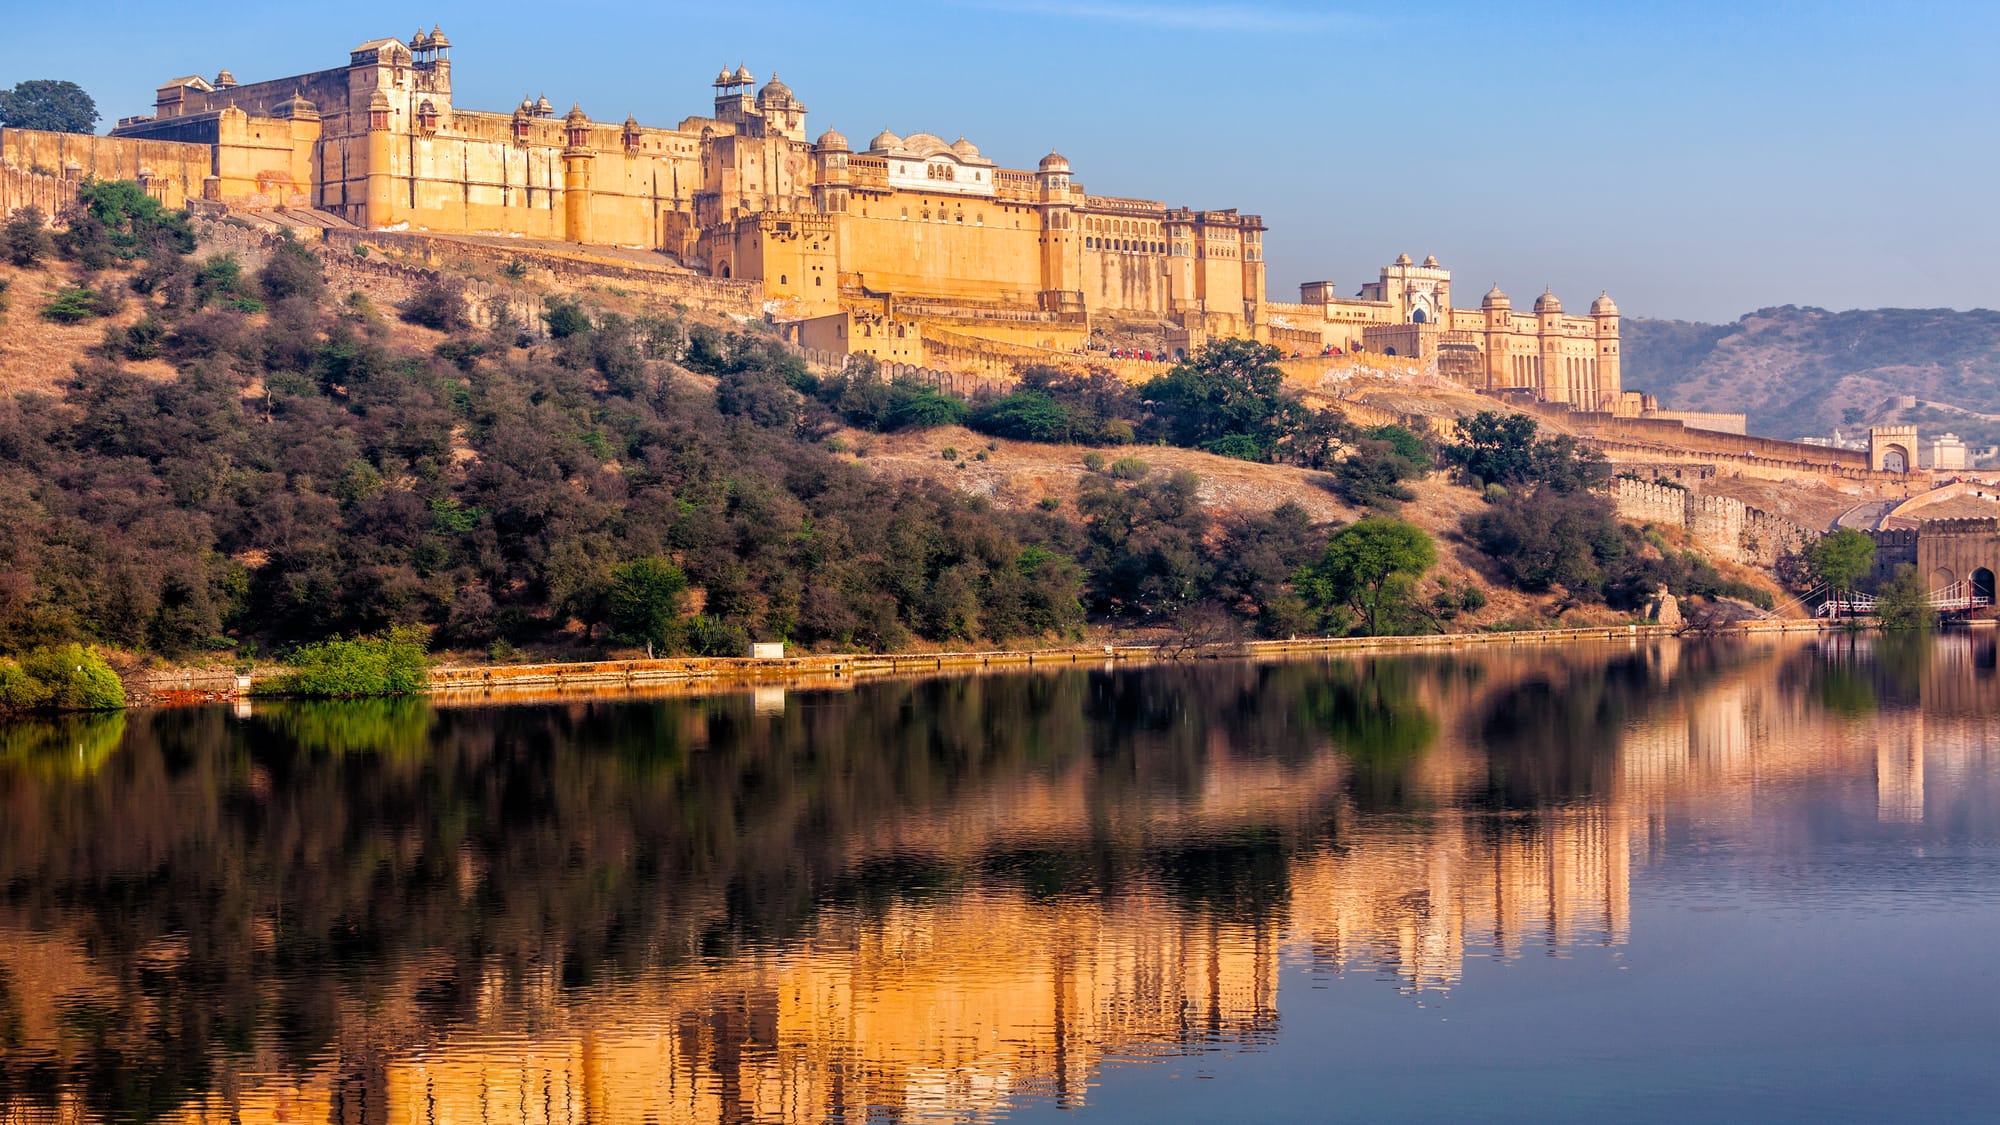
point(1698, 161)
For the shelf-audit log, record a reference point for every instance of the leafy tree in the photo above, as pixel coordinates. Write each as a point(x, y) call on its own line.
point(64, 678)
point(1543, 541)
point(1903, 602)
point(52, 105)
point(1255, 560)
point(1025, 416)
point(1229, 398)
point(1502, 449)
point(921, 408)
point(1144, 552)
point(647, 598)
point(1373, 473)
point(115, 220)
point(292, 271)
point(438, 302)
point(393, 663)
point(1406, 445)
point(1052, 405)
point(26, 240)
point(1371, 567)
point(565, 318)
point(1841, 558)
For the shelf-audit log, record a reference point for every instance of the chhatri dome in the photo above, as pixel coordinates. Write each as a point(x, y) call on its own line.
point(1548, 302)
point(1604, 305)
point(831, 141)
point(1495, 298)
point(775, 90)
point(965, 149)
point(885, 141)
point(1054, 162)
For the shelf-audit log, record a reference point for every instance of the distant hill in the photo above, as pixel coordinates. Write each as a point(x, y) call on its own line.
point(1802, 371)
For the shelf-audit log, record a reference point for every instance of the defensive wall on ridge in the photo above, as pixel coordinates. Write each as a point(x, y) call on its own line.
point(21, 188)
point(389, 267)
point(1722, 524)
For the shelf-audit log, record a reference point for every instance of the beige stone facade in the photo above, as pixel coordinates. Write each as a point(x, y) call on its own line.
point(863, 248)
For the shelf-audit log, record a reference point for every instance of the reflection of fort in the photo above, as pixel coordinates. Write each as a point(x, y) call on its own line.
point(958, 1003)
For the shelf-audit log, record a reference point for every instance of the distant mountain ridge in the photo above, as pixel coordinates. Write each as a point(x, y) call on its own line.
point(1802, 371)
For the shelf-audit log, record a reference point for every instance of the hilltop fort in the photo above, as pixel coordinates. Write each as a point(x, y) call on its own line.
point(858, 249)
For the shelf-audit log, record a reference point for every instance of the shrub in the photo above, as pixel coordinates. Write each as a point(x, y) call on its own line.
point(26, 240)
point(926, 410)
point(1094, 462)
point(72, 306)
point(1130, 468)
point(565, 318)
point(439, 303)
point(394, 663)
point(65, 678)
point(291, 272)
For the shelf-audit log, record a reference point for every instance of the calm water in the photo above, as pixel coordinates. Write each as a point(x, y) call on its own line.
point(1723, 883)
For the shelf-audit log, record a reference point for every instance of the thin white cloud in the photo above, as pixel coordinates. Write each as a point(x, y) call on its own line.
point(1181, 17)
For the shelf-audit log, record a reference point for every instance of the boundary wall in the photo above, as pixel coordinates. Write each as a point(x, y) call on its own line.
point(1723, 524)
point(21, 188)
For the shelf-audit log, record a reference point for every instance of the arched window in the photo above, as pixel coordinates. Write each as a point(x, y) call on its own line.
point(783, 280)
point(817, 281)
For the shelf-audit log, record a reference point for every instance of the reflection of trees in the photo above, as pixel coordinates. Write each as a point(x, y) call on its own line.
point(1372, 712)
point(243, 878)
point(397, 726)
point(62, 746)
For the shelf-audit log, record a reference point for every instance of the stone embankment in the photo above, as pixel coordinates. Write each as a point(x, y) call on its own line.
point(612, 677)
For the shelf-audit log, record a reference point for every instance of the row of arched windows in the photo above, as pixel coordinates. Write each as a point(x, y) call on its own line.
point(1124, 244)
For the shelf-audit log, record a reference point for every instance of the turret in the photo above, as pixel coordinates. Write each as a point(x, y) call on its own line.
point(381, 161)
point(1610, 373)
point(577, 158)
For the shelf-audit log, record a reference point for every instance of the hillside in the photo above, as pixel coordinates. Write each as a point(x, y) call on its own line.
point(1802, 371)
point(223, 457)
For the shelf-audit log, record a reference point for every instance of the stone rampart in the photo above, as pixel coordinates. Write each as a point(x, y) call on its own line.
point(1650, 502)
point(561, 269)
point(21, 188)
point(389, 268)
point(1724, 525)
point(1717, 521)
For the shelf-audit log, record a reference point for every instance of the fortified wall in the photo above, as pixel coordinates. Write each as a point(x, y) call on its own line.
point(21, 188)
point(1724, 525)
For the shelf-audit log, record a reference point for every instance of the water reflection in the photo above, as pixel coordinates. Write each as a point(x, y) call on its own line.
point(905, 899)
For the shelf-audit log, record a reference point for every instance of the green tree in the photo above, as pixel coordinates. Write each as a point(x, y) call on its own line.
point(65, 678)
point(25, 240)
point(1229, 398)
point(1503, 449)
point(564, 318)
point(1371, 567)
point(1904, 601)
point(1494, 448)
point(393, 663)
point(647, 596)
point(49, 104)
point(1841, 558)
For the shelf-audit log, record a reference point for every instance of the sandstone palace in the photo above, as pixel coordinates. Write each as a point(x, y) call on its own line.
point(903, 246)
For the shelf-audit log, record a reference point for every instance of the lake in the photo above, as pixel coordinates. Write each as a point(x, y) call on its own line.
point(1659, 881)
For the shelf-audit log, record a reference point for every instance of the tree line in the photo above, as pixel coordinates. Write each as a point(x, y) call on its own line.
point(594, 480)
